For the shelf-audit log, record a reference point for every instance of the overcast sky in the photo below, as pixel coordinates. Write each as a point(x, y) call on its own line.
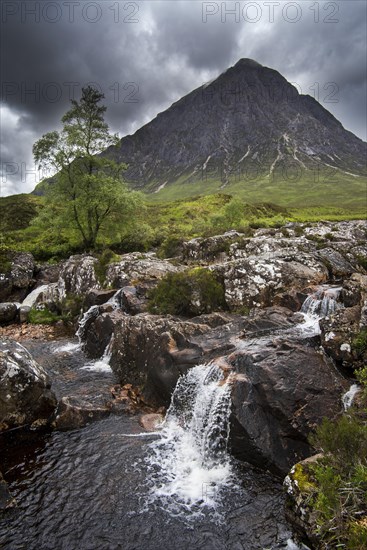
point(146, 55)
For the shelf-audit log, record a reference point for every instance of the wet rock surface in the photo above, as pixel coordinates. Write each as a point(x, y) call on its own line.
point(282, 390)
point(25, 394)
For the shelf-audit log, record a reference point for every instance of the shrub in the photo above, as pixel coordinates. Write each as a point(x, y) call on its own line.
point(42, 316)
point(359, 343)
point(341, 482)
point(100, 268)
point(170, 247)
point(189, 293)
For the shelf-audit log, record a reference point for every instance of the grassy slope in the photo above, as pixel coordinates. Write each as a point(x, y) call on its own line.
point(17, 211)
point(324, 189)
point(191, 216)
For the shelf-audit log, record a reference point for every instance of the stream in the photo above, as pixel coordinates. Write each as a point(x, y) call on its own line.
point(109, 486)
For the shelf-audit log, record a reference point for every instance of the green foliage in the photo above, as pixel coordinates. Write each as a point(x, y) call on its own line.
point(359, 343)
point(5, 258)
point(70, 307)
point(17, 211)
point(138, 238)
point(189, 293)
point(88, 194)
point(42, 316)
point(100, 268)
point(341, 481)
point(170, 247)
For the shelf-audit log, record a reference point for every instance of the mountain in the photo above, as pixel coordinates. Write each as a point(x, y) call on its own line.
point(249, 131)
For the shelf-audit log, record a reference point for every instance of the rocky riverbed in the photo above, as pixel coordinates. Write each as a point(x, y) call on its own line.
point(295, 300)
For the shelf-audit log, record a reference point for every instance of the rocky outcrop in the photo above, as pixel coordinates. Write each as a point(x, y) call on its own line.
point(17, 280)
point(78, 276)
point(152, 351)
point(282, 390)
point(137, 267)
point(25, 395)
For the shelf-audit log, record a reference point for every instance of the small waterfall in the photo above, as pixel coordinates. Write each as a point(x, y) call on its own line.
point(349, 396)
point(102, 364)
point(322, 303)
point(189, 464)
point(93, 312)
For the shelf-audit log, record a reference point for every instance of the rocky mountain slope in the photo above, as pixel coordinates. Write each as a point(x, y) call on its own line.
point(248, 125)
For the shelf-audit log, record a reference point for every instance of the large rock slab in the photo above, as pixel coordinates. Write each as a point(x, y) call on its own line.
point(282, 389)
point(25, 394)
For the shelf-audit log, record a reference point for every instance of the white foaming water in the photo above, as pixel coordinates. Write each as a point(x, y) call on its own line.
point(189, 463)
point(317, 306)
point(70, 347)
point(349, 396)
point(102, 364)
point(92, 313)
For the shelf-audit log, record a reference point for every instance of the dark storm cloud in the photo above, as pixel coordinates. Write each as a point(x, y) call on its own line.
point(145, 55)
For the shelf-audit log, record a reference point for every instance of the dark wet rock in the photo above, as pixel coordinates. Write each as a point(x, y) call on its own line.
point(16, 282)
point(336, 264)
point(25, 394)
point(98, 297)
point(292, 300)
point(78, 276)
point(47, 273)
point(338, 331)
point(137, 267)
point(75, 412)
point(24, 313)
point(268, 319)
point(132, 300)
point(8, 312)
point(281, 391)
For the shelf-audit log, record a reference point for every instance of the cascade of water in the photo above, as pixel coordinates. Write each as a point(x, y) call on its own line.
point(189, 464)
point(322, 303)
point(349, 396)
point(102, 364)
point(93, 312)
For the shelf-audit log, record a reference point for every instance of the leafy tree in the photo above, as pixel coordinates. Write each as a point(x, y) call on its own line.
point(88, 194)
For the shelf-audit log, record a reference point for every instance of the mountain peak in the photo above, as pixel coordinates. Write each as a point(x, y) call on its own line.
point(246, 62)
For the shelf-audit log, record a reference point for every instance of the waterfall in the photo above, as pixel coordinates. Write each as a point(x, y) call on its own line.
point(189, 463)
point(102, 364)
point(320, 304)
point(349, 396)
point(93, 312)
